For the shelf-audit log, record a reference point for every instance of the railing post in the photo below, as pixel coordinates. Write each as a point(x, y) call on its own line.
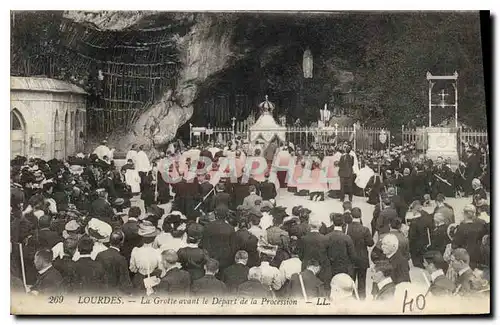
point(354, 136)
point(336, 133)
point(307, 137)
point(190, 134)
point(233, 125)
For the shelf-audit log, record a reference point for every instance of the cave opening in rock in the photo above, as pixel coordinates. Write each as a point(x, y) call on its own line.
point(149, 74)
point(274, 67)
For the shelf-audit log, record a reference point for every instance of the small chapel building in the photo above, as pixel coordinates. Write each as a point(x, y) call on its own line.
point(47, 117)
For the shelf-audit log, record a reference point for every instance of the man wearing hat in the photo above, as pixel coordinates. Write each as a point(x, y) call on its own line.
point(115, 265)
point(71, 229)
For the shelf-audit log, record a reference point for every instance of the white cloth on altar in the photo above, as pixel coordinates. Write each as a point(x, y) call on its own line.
point(266, 128)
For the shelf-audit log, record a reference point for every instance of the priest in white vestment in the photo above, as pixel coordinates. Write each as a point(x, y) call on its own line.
point(103, 150)
point(132, 153)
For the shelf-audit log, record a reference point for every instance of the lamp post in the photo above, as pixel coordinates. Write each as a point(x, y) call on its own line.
point(232, 125)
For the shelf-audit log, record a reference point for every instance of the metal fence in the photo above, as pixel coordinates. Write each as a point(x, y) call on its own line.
point(361, 138)
point(418, 136)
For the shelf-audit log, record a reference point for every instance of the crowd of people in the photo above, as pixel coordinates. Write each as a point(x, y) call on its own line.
point(85, 225)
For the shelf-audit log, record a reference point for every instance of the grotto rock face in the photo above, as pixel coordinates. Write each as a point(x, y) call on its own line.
point(108, 20)
point(212, 45)
point(204, 51)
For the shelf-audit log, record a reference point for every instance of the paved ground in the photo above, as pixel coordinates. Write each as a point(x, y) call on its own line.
point(322, 210)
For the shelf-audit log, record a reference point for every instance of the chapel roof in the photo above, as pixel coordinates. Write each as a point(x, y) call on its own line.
point(43, 84)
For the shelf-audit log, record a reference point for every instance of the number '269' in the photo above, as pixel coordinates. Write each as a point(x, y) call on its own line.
point(56, 299)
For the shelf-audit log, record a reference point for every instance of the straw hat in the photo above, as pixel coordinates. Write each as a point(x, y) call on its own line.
point(71, 226)
point(76, 169)
point(146, 229)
